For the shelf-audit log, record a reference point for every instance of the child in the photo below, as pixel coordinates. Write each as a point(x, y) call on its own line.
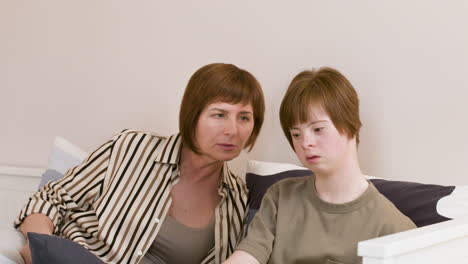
point(320, 219)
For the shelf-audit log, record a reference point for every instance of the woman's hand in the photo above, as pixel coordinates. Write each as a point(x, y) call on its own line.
point(26, 253)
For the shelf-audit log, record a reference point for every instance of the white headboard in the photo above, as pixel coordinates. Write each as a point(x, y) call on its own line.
point(16, 185)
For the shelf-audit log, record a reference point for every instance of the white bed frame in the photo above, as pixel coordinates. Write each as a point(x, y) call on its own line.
point(16, 185)
point(446, 242)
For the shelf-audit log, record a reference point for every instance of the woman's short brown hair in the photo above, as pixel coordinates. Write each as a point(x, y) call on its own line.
point(219, 82)
point(326, 87)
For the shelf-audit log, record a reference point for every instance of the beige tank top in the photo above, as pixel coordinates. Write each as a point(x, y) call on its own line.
point(177, 243)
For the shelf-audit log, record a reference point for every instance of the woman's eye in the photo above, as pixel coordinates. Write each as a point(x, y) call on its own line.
point(219, 115)
point(245, 118)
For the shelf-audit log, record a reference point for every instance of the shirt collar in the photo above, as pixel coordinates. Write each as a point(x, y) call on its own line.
point(227, 179)
point(170, 152)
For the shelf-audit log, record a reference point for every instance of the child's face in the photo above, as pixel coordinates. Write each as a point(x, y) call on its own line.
point(318, 145)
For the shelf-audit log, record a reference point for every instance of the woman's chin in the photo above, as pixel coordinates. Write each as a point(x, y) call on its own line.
point(224, 156)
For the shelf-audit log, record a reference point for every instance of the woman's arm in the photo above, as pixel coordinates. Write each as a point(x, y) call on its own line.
point(241, 257)
point(78, 188)
point(38, 223)
point(46, 209)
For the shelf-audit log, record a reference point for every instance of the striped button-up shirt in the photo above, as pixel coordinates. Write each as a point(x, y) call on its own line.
point(115, 202)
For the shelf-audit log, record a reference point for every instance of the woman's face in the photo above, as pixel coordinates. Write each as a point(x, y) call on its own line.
point(223, 129)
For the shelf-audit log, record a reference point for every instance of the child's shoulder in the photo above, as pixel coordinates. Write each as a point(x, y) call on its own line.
point(291, 185)
point(385, 208)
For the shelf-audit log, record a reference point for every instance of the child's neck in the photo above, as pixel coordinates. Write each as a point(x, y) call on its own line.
point(342, 185)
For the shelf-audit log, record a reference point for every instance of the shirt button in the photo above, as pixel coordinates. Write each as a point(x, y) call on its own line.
point(156, 220)
point(139, 253)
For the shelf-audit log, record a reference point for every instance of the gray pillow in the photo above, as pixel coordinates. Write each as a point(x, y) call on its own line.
point(49, 175)
point(47, 249)
point(63, 156)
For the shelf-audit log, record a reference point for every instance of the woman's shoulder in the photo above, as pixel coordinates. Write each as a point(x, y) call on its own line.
point(129, 136)
point(137, 139)
point(134, 132)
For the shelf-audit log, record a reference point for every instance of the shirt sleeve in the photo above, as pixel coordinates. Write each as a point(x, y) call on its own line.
point(77, 190)
point(262, 230)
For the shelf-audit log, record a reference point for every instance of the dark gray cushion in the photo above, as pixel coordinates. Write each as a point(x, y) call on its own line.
point(47, 249)
point(416, 200)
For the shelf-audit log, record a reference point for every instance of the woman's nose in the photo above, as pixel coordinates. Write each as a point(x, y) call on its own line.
point(230, 127)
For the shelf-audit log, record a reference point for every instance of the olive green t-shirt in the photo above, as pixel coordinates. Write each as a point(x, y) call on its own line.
point(293, 225)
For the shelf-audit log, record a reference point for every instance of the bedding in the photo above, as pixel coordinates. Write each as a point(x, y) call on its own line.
point(11, 243)
point(446, 202)
point(46, 249)
point(424, 204)
point(6, 260)
point(63, 156)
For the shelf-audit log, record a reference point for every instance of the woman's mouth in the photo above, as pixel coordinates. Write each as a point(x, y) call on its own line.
point(227, 147)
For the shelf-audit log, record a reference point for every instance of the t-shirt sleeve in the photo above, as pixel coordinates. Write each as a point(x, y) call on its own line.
point(262, 230)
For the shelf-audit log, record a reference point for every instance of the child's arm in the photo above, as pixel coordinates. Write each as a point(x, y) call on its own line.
point(241, 257)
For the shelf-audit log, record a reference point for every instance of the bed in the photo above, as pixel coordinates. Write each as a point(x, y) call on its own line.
point(440, 212)
point(16, 184)
point(444, 241)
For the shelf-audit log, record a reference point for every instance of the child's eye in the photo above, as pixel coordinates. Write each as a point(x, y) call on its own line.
point(219, 115)
point(318, 129)
point(295, 135)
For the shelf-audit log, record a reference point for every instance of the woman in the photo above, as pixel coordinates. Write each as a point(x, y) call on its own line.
point(320, 219)
point(144, 198)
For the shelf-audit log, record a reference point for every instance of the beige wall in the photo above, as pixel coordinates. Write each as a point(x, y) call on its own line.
point(87, 69)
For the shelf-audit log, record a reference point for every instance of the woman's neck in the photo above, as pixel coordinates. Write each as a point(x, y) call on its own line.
point(198, 169)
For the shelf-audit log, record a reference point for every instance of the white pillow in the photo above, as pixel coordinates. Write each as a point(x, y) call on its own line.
point(11, 243)
point(63, 156)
